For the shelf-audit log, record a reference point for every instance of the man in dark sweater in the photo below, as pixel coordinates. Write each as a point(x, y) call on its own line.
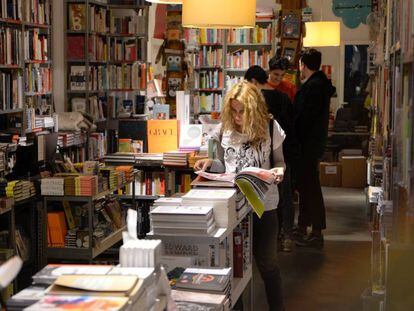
point(312, 117)
point(281, 108)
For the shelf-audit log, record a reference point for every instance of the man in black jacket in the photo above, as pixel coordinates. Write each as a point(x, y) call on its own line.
point(312, 117)
point(281, 108)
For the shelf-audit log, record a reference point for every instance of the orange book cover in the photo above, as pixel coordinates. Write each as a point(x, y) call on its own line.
point(162, 135)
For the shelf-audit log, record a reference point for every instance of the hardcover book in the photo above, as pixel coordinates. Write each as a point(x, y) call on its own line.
point(162, 135)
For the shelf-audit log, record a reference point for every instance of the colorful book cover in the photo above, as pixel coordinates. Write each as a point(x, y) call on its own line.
point(162, 135)
point(161, 112)
point(58, 303)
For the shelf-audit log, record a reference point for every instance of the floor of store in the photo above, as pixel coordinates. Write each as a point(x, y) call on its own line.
point(334, 278)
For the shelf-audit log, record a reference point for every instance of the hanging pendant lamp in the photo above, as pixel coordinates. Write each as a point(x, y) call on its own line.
point(223, 14)
point(320, 34)
point(166, 1)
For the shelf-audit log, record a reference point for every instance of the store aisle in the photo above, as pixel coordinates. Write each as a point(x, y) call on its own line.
point(332, 279)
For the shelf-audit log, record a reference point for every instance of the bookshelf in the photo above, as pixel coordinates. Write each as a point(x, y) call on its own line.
point(391, 154)
point(106, 56)
point(220, 58)
point(93, 249)
point(106, 60)
point(26, 65)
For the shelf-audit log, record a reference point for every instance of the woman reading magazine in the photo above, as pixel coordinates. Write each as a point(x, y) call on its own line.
point(248, 137)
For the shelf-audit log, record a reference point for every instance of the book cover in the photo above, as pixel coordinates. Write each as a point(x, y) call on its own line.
point(161, 112)
point(77, 16)
point(61, 303)
point(205, 279)
point(191, 135)
point(134, 129)
point(162, 135)
point(52, 271)
point(115, 284)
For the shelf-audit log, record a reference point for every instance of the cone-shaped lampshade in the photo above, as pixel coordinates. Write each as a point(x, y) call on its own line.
point(219, 13)
point(166, 1)
point(322, 34)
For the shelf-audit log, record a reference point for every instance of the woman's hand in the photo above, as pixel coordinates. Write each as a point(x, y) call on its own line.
point(202, 165)
point(278, 172)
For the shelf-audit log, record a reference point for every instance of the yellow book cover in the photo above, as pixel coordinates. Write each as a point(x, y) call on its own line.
point(69, 216)
point(162, 135)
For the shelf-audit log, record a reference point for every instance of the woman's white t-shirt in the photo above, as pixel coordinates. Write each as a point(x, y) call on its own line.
point(235, 153)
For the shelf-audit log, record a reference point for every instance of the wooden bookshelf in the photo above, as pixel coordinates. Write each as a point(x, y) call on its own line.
point(32, 31)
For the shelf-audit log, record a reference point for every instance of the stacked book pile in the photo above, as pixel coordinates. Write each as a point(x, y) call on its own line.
point(110, 177)
point(128, 171)
point(140, 253)
point(52, 186)
point(66, 139)
point(70, 238)
point(120, 178)
point(189, 300)
point(56, 229)
point(86, 185)
point(92, 287)
point(70, 185)
point(187, 220)
point(42, 121)
point(223, 202)
point(193, 158)
point(208, 281)
point(20, 190)
point(169, 201)
point(175, 158)
point(78, 138)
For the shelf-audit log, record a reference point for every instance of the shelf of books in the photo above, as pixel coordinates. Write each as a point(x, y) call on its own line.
point(81, 220)
point(106, 57)
point(391, 195)
point(25, 62)
point(220, 58)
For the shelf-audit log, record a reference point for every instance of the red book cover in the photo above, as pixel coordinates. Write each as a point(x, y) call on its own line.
point(148, 183)
point(237, 254)
point(76, 47)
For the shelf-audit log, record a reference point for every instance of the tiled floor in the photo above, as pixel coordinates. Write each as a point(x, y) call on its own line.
point(334, 278)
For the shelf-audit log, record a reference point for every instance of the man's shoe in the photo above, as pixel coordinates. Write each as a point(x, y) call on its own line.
point(297, 234)
point(287, 245)
point(311, 241)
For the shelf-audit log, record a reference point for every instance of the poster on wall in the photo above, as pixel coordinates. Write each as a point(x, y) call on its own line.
point(352, 12)
point(356, 72)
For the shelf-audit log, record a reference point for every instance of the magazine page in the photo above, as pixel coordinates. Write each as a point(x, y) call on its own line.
point(218, 177)
point(259, 173)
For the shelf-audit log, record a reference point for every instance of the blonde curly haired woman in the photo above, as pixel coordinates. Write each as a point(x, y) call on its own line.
point(247, 137)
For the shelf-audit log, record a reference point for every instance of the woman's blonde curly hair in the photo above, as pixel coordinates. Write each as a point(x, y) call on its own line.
point(255, 117)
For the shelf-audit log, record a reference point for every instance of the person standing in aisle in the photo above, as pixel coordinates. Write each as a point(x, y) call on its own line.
point(280, 106)
point(312, 117)
point(247, 137)
point(277, 70)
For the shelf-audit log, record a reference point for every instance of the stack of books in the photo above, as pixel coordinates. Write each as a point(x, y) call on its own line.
point(52, 186)
point(110, 177)
point(169, 201)
point(223, 202)
point(175, 158)
point(70, 238)
point(86, 185)
point(70, 185)
point(128, 171)
point(186, 300)
point(56, 229)
point(92, 287)
point(66, 139)
point(20, 190)
point(140, 253)
point(187, 220)
point(209, 281)
point(195, 157)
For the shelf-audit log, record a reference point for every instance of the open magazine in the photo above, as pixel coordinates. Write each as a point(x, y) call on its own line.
point(252, 181)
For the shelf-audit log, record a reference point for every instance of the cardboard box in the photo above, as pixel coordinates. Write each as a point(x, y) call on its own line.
point(354, 171)
point(330, 174)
